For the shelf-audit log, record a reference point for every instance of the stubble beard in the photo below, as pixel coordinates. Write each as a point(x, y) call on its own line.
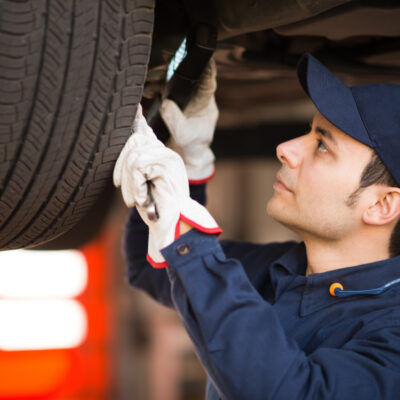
point(303, 225)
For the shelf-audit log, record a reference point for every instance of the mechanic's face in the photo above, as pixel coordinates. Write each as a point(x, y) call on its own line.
point(319, 171)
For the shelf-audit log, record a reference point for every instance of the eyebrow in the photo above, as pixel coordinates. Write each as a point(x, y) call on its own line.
point(326, 133)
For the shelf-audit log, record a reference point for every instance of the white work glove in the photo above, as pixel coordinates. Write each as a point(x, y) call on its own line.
point(193, 129)
point(145, 158)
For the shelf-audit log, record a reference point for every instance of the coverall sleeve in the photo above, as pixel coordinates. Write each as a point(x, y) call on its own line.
point(243, 346)
point(140, 273)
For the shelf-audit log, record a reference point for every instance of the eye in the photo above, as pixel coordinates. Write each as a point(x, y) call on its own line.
point(321, 146)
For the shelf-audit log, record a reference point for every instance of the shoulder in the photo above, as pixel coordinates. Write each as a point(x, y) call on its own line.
point(380, 337)
point(385, 319)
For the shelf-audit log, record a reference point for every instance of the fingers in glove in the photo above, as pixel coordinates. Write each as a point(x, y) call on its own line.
point(127, 187)
point(172, 116)
point(130, 177)
point(138, 116)
point(117, 174)
point(141, 143)
point(143, 214)
point(134, 187)
point(136, 145)
point(141, 129)
point(144, 159)
point(140, 125)
point(163, 167)
point(168, 161)
point(208, 83)
point(139, 188)
point(205, 92)
point(128, 162)
point(175, 118)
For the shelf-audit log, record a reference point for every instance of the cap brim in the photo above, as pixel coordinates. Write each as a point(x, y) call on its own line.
point(333, 99)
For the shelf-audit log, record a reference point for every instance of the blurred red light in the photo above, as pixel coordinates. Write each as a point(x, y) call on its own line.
point(37, 374)
point(79, 373)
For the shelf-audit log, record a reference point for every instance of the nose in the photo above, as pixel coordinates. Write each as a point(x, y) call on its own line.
point(289, 152)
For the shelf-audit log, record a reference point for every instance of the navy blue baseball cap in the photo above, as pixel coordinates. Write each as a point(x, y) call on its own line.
point(368, 113)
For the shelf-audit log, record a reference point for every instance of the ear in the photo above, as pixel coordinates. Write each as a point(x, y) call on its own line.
point(386, 207)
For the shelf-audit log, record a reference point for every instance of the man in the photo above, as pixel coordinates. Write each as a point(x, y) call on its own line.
point(318, 319)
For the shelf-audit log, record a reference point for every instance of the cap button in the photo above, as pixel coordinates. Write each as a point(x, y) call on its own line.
point(182, 249)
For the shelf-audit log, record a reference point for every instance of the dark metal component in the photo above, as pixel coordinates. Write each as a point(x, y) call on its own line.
point(235, 17)
point(201, 43)
point(349, 21)
point(200, 47)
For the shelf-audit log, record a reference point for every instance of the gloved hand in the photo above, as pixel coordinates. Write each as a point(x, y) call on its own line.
point(193, 129)
point(144, 158)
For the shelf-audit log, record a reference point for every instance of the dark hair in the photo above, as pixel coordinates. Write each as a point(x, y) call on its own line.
point(376, 172)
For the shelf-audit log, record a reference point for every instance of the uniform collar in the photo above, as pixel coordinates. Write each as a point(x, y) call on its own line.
point(292, 265)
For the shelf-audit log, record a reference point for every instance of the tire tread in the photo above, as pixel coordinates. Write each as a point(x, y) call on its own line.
point(76, 42)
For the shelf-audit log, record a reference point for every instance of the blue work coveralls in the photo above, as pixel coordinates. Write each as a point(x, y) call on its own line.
point(263, 330)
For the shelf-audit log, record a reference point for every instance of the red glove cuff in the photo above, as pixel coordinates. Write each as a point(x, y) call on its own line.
point(201, 181)
point(211, 231)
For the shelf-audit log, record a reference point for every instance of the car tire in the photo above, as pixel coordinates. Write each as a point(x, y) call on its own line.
point(71, 76)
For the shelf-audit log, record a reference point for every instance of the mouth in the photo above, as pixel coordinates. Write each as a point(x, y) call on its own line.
point(280, 184)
